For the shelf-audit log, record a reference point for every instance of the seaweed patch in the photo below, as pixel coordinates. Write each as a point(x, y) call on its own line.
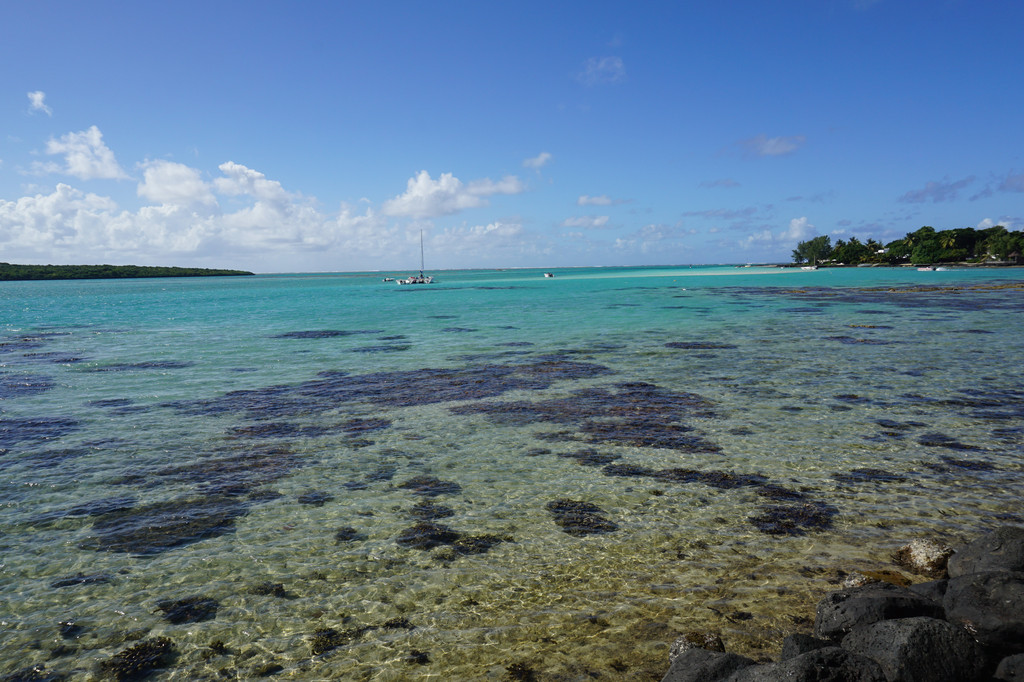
point(868, 475)
point(139, 660)
point(699, 345)
point(794, 519)
point(35, 430)
point(580, 519)
point(188, 610)
point(163, 526)
point(19, 386)
point(324, 333)
point(430, 486)
point(427, 535)
point(142, 366)
point(636, 414)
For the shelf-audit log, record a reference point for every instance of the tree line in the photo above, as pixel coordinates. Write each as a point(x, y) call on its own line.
point(926, 246)
point(9, 272)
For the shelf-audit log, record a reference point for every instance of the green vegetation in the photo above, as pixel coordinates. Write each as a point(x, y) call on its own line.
point(10, 272)
point(923, 247)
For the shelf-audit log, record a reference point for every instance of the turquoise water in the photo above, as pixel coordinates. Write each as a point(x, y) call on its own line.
point(494, 474)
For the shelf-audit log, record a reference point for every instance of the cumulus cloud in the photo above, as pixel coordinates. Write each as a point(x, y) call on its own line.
point(763, 145)
point(425, 197)
point(799, 230)
point(936, 192)
point(538, 161)
point(167, 182)
point(587, 221)
point(37, 102)
point(602, 71)
point(86, 157)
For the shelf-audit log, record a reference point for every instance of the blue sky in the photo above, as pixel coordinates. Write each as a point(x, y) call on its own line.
point(323, 136)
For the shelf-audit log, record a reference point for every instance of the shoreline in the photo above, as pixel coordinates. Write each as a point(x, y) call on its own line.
point(964, 621)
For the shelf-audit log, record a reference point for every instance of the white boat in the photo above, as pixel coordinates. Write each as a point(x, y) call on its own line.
point(418, 279)
point(549, 274)
point(927, 268)
point(809, 267)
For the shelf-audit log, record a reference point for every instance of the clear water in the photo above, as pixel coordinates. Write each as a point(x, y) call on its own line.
point(741, 435)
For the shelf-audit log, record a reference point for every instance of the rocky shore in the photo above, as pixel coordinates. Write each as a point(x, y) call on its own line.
point(966, 624)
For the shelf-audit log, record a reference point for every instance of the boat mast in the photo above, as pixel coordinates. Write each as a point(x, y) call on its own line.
point(421, 254)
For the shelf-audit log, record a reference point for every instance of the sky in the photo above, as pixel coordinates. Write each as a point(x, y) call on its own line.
point(327, 136)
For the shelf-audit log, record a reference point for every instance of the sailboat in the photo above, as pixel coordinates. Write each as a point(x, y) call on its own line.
point(418, 279)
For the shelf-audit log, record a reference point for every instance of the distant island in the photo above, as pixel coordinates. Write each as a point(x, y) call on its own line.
point(9, 272)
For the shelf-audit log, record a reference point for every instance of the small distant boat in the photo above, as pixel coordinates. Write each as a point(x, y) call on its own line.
point(927, 268)
point(388, 279)
point(809, 267)
point(549, 274)
point(418, 279)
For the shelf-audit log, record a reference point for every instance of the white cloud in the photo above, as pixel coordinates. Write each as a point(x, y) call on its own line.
point(538, 161)
point(602, 70)
point(167, 182)
point(586, 200)
point(799, 229)
point(239, 180)
point(773, 146)
point(425, 197)
point(587, 221)
point(37, 102)
point(86, 157)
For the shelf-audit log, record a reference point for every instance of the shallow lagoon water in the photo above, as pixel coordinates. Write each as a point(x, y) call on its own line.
point(495, 475)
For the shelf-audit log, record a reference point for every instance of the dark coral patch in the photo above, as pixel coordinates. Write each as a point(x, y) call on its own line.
point(588, 457)
point(81, 579)
point(580, 518)
point(477, 544)
point(426, 535)
point(853, 341)
point(142, 366)
point(269, 589)
point(941, 440)
point(326, 639)
point(779, 493)
point(35, 430)
point(637, 414)
point(951, 463)
point(628, 470)
point(18, 386)
point(868, 475)
point(188, 610)
point(392, 389)
point(699, 345)
point(428, 511)
point(794, 519)
point(382, 473)
point(139, 660)
point(163, 526)
point(325, 333)
point(315, 498)
point(348, 534)
point(388, 348)
point(266, 430)
point(355, 426)
point(430, 486)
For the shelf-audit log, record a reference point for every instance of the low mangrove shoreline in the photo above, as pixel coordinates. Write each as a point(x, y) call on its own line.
point(11, 273)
